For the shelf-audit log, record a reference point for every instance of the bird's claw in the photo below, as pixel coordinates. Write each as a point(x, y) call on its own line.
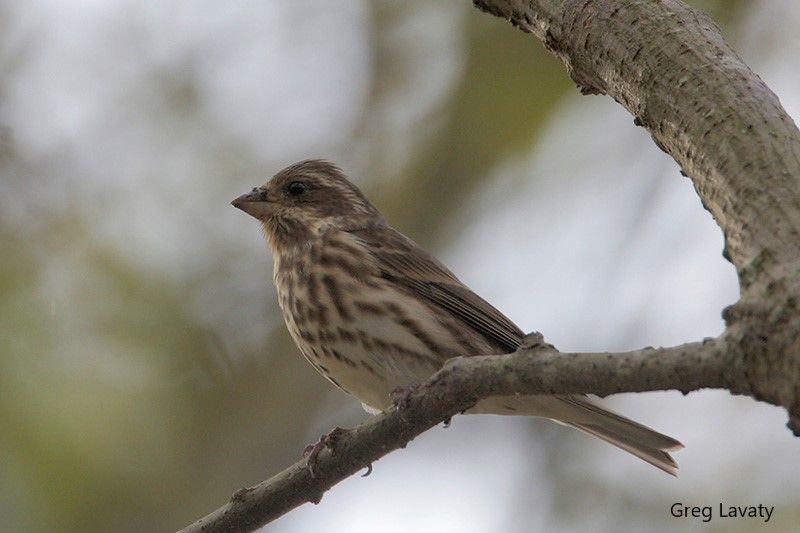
point(368, 472)
point(312, 451)
point(401, 395)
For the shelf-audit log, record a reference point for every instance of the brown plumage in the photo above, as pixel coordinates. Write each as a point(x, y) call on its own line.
point(372, 311)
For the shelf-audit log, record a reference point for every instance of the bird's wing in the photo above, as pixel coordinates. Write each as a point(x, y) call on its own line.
point(402, 261)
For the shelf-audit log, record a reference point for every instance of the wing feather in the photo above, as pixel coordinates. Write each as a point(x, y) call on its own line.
point(401, 260)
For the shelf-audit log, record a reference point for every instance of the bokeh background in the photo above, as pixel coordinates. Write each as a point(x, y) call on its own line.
point(145, 373)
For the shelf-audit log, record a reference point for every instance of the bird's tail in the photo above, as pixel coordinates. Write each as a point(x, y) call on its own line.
point(579, 412)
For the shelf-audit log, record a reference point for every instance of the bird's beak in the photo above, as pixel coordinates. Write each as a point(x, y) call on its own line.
point(254, 203)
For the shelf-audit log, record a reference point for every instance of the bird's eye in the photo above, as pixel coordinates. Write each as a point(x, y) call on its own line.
point(297, 188)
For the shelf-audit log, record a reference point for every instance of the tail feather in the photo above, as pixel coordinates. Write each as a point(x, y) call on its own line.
point(614, 423)
point(658, 458)
point(580, 413)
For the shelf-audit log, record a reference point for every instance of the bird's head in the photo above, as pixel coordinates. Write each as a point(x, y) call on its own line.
point(303, 199)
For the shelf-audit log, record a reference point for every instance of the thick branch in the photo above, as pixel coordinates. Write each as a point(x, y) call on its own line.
point(538, 369)
point(669, 65)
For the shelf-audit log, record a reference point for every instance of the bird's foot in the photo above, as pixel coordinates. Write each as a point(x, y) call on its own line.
point(312, 451)
point(401, 395)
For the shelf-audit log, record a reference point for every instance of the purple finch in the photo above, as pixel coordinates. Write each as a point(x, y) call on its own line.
point(373, 312)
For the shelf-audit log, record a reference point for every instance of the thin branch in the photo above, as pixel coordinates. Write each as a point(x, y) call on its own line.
point(712, 363)
point(535, 369)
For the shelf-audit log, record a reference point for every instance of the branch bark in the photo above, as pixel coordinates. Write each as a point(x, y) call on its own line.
point(536, 368)
point(669, 65)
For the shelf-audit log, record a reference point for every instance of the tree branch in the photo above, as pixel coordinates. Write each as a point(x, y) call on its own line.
point(534, 369)
point(670, 67)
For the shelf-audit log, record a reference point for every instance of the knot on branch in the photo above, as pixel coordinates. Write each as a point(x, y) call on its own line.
point(764, 327)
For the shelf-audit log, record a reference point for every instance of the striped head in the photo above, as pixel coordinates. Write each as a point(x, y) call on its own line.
point(303, 200)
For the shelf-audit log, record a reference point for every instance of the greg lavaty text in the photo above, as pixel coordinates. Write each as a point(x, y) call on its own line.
point(706, 512)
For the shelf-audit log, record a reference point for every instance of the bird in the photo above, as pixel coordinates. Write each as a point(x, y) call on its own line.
point(373, 312)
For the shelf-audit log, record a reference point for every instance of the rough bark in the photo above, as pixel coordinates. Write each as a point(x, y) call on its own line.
point(669, 65)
